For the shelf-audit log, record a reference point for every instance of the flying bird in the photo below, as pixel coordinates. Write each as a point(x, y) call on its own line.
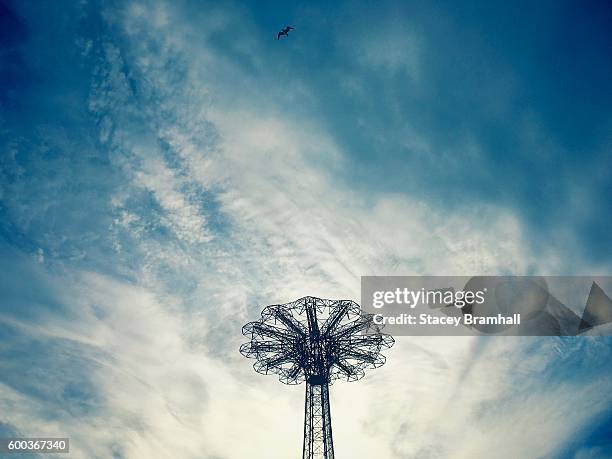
point(284, 32)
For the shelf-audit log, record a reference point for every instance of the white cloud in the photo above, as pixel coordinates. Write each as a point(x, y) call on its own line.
point(164, 352)
point(390, 49)
point(296, 230)
point(597, 452)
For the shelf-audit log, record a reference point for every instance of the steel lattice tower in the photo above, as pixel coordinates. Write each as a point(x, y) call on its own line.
point(317, 341)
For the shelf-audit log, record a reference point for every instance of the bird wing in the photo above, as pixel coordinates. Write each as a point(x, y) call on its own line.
point(279, 35)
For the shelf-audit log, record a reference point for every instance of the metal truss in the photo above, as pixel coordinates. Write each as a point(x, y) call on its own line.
point(317, 341)
point(318, 442)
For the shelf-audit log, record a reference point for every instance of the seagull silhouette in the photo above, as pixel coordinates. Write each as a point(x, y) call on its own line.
point(284, 32)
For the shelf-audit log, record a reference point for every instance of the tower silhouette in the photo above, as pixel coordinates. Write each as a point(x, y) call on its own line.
point(316, 341)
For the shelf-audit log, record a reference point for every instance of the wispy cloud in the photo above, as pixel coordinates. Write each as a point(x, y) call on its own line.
point(224, 201)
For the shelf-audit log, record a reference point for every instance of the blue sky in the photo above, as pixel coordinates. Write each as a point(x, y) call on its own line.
point(168, 168)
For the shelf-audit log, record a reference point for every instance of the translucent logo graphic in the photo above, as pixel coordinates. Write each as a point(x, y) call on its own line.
point(489, 305)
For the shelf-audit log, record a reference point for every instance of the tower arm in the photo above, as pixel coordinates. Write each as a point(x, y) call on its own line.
point(344, 367)
point(266, 346)
point(289, 321)
point(280, 359)
point(271, 331)
point(351, 328)
point(334, 319)
point(313, 324)
point(369, 357)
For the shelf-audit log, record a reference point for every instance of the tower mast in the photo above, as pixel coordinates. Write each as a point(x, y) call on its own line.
point(318, 442)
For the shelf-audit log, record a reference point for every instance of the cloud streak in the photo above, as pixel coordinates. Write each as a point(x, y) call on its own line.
point(223, 201)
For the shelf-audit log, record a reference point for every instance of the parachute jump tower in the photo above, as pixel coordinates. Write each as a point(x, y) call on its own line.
point(317, 341)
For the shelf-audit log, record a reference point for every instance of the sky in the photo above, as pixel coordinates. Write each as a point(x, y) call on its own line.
point(169, 168)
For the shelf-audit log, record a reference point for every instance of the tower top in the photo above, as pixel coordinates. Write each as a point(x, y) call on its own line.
point(315, 340)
